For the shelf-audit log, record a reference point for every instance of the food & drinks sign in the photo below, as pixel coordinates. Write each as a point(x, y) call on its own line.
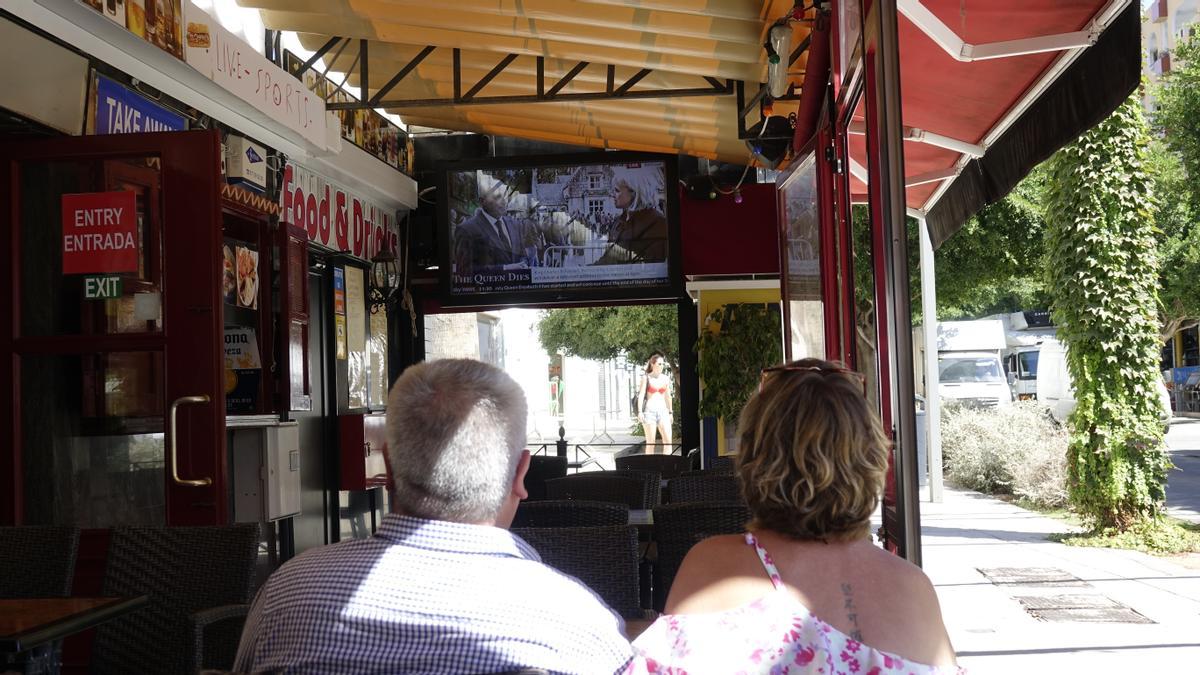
point(335, 217)
point(99, 233)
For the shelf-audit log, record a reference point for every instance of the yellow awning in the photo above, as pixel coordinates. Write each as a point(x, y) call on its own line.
point(686, 44)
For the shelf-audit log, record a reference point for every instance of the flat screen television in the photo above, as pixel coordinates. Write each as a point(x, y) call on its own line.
point(559, 229)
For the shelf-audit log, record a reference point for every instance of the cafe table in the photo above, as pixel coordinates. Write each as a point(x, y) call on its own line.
point(30, 626)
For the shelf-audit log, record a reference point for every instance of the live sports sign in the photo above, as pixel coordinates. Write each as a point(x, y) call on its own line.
point(99, 232)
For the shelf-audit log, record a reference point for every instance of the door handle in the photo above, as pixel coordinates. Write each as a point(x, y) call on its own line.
point(173, 447)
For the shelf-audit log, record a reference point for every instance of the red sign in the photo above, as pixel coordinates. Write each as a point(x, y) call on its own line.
point(334, 217)
point(99, 233)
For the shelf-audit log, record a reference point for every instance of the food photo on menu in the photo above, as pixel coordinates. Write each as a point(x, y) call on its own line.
point(247, 277)
point(228, 276)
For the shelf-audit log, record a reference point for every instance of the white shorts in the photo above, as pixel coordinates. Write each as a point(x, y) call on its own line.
point(656, 417)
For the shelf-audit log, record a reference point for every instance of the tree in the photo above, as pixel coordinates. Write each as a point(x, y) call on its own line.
point(1179, 242)
point(1102, 272)
point(994, 263)
point(600, 333)
point(1178, 114)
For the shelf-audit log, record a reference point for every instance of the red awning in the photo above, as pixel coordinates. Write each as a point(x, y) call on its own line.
point(1016, 110)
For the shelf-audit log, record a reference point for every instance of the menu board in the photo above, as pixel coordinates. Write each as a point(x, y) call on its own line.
point(356, 337)
point(159, 22)
point(377, 351)
point(339, 313)
point(365, 128)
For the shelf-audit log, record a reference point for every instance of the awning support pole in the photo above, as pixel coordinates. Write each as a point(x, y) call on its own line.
point(933, 400)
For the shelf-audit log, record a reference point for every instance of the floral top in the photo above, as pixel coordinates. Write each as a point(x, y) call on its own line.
point(774, 634)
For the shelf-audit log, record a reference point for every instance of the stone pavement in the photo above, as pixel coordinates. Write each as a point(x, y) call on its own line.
point(1015, 602)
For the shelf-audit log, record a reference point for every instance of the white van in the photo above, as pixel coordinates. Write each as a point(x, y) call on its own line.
point(1054, 386)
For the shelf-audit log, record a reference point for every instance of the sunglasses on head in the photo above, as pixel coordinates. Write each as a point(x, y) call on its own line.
point(820, 370)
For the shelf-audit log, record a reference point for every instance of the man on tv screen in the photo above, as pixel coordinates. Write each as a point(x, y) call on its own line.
point(490, 238)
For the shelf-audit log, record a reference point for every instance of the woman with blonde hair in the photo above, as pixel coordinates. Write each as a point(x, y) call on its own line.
point(640, 232)
point(804, 589)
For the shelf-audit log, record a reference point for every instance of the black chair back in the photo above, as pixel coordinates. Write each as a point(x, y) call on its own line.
point(541, 469)
point(183, 570)
point(667, 466)
point(570, 513)
point(601, 486)
point(679, 527)
point(722, 463)
point(37, 562)
point(651, 484)
point(704, 486)
point(605, 559)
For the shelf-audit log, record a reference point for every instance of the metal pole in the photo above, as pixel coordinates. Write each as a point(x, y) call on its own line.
point(933, 399)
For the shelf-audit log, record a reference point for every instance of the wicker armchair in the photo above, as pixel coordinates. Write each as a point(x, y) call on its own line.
point(570, 513)
point(541, 469)
point(38, 562)
point(604, 558)
point(723, 463)
point(601, 486)
point(678, 527)
point(651, 484)
point(704, 486)
point(199, 581)
point(667, 466)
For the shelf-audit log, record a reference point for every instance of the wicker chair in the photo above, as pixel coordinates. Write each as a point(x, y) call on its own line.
point(38, 562)
point(651, 483)
point(570, 513)
point(723, 463)
point(667, 466)
point(541, 469)
point(678, 527)
point(601, 486)
point(199, 581)
point(605, 559)
point(703, 486)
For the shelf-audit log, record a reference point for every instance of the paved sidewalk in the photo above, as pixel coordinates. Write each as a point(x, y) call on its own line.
point(1155, 602)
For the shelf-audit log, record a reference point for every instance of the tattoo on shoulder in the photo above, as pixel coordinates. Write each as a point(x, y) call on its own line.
point(851, 611)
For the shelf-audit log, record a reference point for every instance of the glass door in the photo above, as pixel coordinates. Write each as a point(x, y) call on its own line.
point(116, 406)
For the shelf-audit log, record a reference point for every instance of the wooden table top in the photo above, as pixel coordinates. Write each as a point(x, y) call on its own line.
point(28, 622)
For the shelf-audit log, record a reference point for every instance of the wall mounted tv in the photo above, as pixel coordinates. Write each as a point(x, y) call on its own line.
point(558, 229)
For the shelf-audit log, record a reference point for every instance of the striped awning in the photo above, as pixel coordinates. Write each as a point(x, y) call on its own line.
point(693, 46)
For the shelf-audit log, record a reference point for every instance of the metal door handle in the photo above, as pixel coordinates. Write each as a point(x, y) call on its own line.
point(172, 446)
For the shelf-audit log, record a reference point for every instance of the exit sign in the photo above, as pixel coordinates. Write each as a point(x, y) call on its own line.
point(101, 288)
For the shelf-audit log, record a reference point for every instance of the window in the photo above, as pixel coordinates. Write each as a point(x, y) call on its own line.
point(966, 369)
point(595, 181)
point(1029, 364)
point(595, 206)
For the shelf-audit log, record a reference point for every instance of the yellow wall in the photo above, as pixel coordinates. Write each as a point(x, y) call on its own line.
point(710, 300)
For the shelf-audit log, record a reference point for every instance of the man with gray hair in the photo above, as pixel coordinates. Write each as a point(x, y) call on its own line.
point(442, 587)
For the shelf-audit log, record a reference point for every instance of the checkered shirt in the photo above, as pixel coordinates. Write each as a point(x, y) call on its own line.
point(425, 596)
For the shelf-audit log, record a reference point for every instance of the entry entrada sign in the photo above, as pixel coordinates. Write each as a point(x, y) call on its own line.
point(99, 233)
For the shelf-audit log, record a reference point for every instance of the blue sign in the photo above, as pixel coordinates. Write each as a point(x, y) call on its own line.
point(120, 110)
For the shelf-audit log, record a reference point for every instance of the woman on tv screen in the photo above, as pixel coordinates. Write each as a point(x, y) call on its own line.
point(640, 232)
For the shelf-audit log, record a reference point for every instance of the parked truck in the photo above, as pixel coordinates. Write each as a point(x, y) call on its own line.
point(1024, 333)
point(970, 371)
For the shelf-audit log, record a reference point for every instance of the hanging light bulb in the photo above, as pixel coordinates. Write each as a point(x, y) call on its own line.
point(779, 43)
point(737, 196)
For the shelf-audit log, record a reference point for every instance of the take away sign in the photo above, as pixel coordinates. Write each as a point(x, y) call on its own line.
point(99, 232)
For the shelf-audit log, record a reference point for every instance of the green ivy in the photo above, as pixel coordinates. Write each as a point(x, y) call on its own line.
point(1102, 271)
point(738, 341)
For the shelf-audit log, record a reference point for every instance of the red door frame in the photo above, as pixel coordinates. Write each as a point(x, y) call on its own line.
point(885, 160)
point(192, 323)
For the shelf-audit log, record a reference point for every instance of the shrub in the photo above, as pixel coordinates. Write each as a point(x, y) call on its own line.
point(1018, 450)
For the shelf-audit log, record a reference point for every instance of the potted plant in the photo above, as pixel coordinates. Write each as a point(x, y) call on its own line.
point(737, 342)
